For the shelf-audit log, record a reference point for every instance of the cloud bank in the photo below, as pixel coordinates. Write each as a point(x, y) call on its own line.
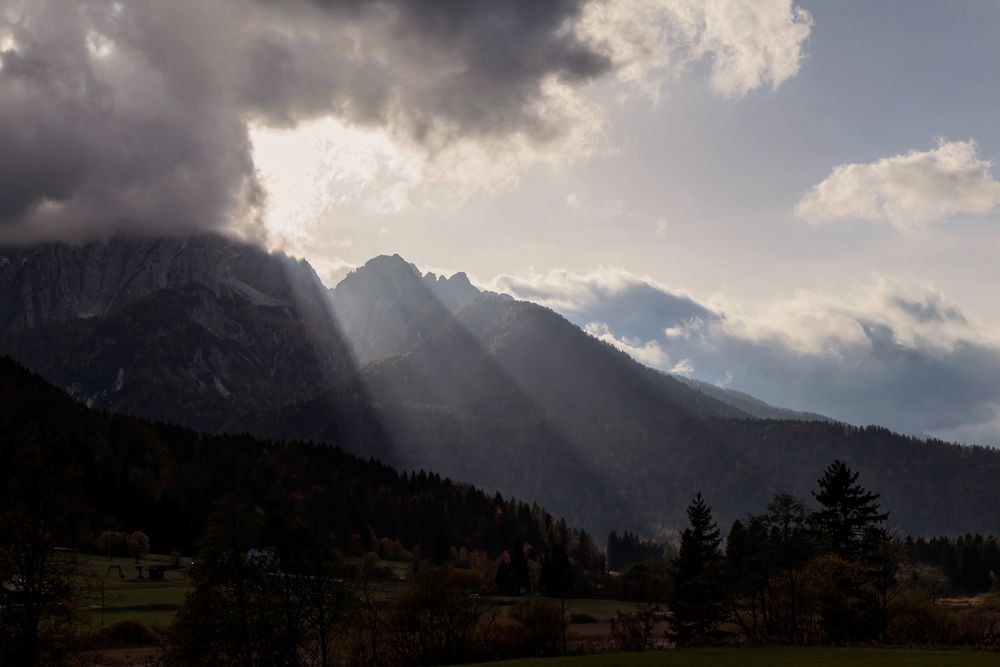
point(885, 352)
point(138, 114)
point(909, 192)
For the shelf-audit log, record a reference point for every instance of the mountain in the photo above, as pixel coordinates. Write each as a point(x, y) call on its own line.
point(127, 473)
point(748, 404)
point(513, 396)
point(198, 330)
point(223, 337)
point(386, 307)
point(501, 392)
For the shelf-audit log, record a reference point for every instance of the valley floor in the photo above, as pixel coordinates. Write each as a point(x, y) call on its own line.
point(769, 657)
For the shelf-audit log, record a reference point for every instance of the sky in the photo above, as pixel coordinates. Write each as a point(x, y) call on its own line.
point(794, 199)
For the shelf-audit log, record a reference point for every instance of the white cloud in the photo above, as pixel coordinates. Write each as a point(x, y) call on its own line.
point(750, 43)
point(332, 271)
point(819, 322)
point(648, 352)
point(683, 367)
point(909, 191)
point(662, 227)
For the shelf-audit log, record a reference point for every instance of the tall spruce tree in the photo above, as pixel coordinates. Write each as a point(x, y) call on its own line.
point(697, 603)
point(863, 571)
point(849, 517)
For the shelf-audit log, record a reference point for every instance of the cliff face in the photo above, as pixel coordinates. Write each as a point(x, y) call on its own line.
point(58, 282)
point(200, 330)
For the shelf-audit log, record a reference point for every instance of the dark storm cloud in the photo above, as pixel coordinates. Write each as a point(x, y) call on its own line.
point(437, 67)
point(135, 114)
point(92, 142)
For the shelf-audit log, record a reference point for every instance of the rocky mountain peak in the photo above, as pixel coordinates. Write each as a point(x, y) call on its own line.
point(455, 292)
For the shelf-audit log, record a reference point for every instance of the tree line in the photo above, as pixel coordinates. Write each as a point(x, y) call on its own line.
point(291, 543)
point(831, 575)
point(77, 480)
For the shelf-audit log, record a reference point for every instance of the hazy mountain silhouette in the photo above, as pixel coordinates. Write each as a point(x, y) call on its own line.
point(751, 405)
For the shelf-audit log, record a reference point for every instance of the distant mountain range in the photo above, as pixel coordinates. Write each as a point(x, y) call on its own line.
point(429, 372)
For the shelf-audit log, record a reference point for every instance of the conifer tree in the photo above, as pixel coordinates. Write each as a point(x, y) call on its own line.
point(519, 573)
point(849, 518)
point(556, 577)
point(863, 572)
point(697, 602)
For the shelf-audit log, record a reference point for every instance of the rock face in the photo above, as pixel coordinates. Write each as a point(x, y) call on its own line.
point(58, 282)
point(200, 330)
point(385, 307)
point(455, 292)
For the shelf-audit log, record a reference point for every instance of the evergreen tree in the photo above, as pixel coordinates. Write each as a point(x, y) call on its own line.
point(862, 566)
point(849, 518)
point(556, 577)
point(502, 580)
point(520, 575)
point(697, 602)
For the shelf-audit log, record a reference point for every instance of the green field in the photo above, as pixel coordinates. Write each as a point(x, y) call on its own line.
point(148, 600)
point(769, 657)
point(599, 608)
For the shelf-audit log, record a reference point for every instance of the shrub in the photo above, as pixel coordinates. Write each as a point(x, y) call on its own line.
point(505, 638)
point(580, 619)
point(916, 619)
point(543, 624)
point(132, 633)
point(633, 631)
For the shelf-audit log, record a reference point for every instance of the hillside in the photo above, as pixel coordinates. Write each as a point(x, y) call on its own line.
point(134, 474)
point(751, 405)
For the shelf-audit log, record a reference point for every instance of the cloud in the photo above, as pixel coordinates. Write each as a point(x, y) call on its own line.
point(145, 114)
point(649, 352)
point(909, 192)
point(332, 271)
point(138, 113)
point(93, 132)
point(886, 351)
point(661, 227)
point(749, 43)
point(634, 307)
point(683, 367)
